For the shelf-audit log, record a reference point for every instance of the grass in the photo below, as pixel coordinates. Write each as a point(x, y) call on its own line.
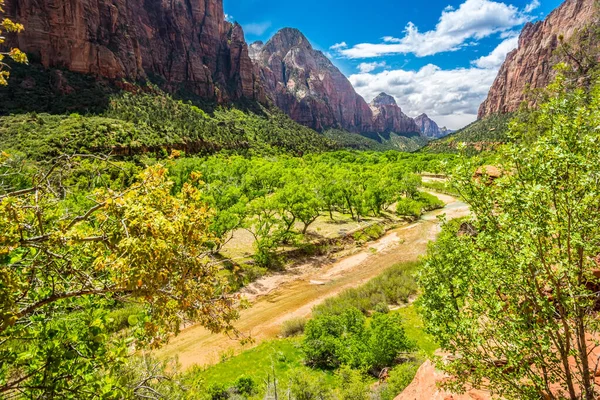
point(415, 330)
point(283, 356)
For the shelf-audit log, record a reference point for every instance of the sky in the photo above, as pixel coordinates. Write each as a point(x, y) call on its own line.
point(438, 57)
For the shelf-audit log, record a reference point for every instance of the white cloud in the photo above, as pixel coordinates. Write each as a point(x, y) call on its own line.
point(473, 20)
point(532, 6)
point(450, 97)
point(229, 17)
point(391, 39)
point(339, 46)
point(495, 59)
point(257, 29)
point(369, 67)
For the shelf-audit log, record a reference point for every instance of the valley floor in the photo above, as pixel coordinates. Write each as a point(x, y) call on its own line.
point(278, 298)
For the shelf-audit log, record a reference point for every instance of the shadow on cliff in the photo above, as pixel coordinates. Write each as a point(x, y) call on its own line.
point(33, 88)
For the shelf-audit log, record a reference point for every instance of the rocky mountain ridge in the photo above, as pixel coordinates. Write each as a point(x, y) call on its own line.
point(182, 45)
point(429, 128)
point(530, 65)
point(306, 85)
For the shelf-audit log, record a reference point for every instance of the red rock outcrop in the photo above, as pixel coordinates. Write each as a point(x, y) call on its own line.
point(306, 85)
point(428, 127)
point(530, 65)
point(181, 44)
point(425, 387)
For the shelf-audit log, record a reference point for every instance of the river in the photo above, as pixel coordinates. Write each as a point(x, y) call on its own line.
point(280, 297)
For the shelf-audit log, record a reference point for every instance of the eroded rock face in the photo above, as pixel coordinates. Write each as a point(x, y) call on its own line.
point(428, 127)
point(182, 44)
point(531, 63)
point(305, 84)
point(425, 387)
point(388, 116)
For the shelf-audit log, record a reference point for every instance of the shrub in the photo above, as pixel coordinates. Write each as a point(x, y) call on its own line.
point(246, 386)
point(409, 208)
point(307, 386)
point(382, 308)
point(353, 385)
point(217, 391)
point(346, 339)
point(387, 340)
point(429, 202)
point(293, 327)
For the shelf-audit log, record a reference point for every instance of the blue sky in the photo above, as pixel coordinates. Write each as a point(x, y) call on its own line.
point(437, 56)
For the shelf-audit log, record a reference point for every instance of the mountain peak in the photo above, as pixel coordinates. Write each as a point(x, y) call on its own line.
point(384, 99)
point(288, 38)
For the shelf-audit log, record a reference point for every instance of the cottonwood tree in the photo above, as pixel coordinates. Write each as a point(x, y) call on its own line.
point(8, 26)
point(66, 259)
point(514, 291)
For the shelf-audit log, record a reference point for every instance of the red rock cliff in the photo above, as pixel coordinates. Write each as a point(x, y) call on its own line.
point(531, 63)
point(183, 44)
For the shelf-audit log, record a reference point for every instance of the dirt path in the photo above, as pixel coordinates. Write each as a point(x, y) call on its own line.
point(282, 297)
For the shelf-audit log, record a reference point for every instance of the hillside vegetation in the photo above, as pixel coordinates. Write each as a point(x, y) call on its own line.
point(482, 135)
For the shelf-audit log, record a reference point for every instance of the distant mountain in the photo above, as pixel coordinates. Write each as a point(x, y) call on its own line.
point(530, 65)
point(306, 85)
point(429, 128)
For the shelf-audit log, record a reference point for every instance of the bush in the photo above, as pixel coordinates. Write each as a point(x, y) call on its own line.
point(293, 327)
point(409, 208)
point(307, 386)
point(346, 339)
point(353, 385)
point(387, 340)
point(246, 386)
point(429, 202)
point(382, 308)
point(217, 391)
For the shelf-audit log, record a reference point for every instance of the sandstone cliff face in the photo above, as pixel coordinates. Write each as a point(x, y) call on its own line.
point(531, 63)
point(425, 387)
point(305, 84)
point(388, 117)
point(428, 127)
point(182, 44)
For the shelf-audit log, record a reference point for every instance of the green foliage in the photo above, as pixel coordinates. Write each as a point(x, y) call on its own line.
point(67, 254)
point(306, 386)
point(353, 385)
point(277, 199)
point(135, 124)
point(376, 142)
point(394, 286)
point(293, 327)
point(217, 391)
point(346, 339)
point(399, 378)
point(416, 205)
point(515, 294)
point(482, 135)
point(245, 386)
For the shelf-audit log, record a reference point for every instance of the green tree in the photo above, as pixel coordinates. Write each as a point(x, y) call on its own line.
point(65, 259)
point(513, 290)
point(8, 26)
